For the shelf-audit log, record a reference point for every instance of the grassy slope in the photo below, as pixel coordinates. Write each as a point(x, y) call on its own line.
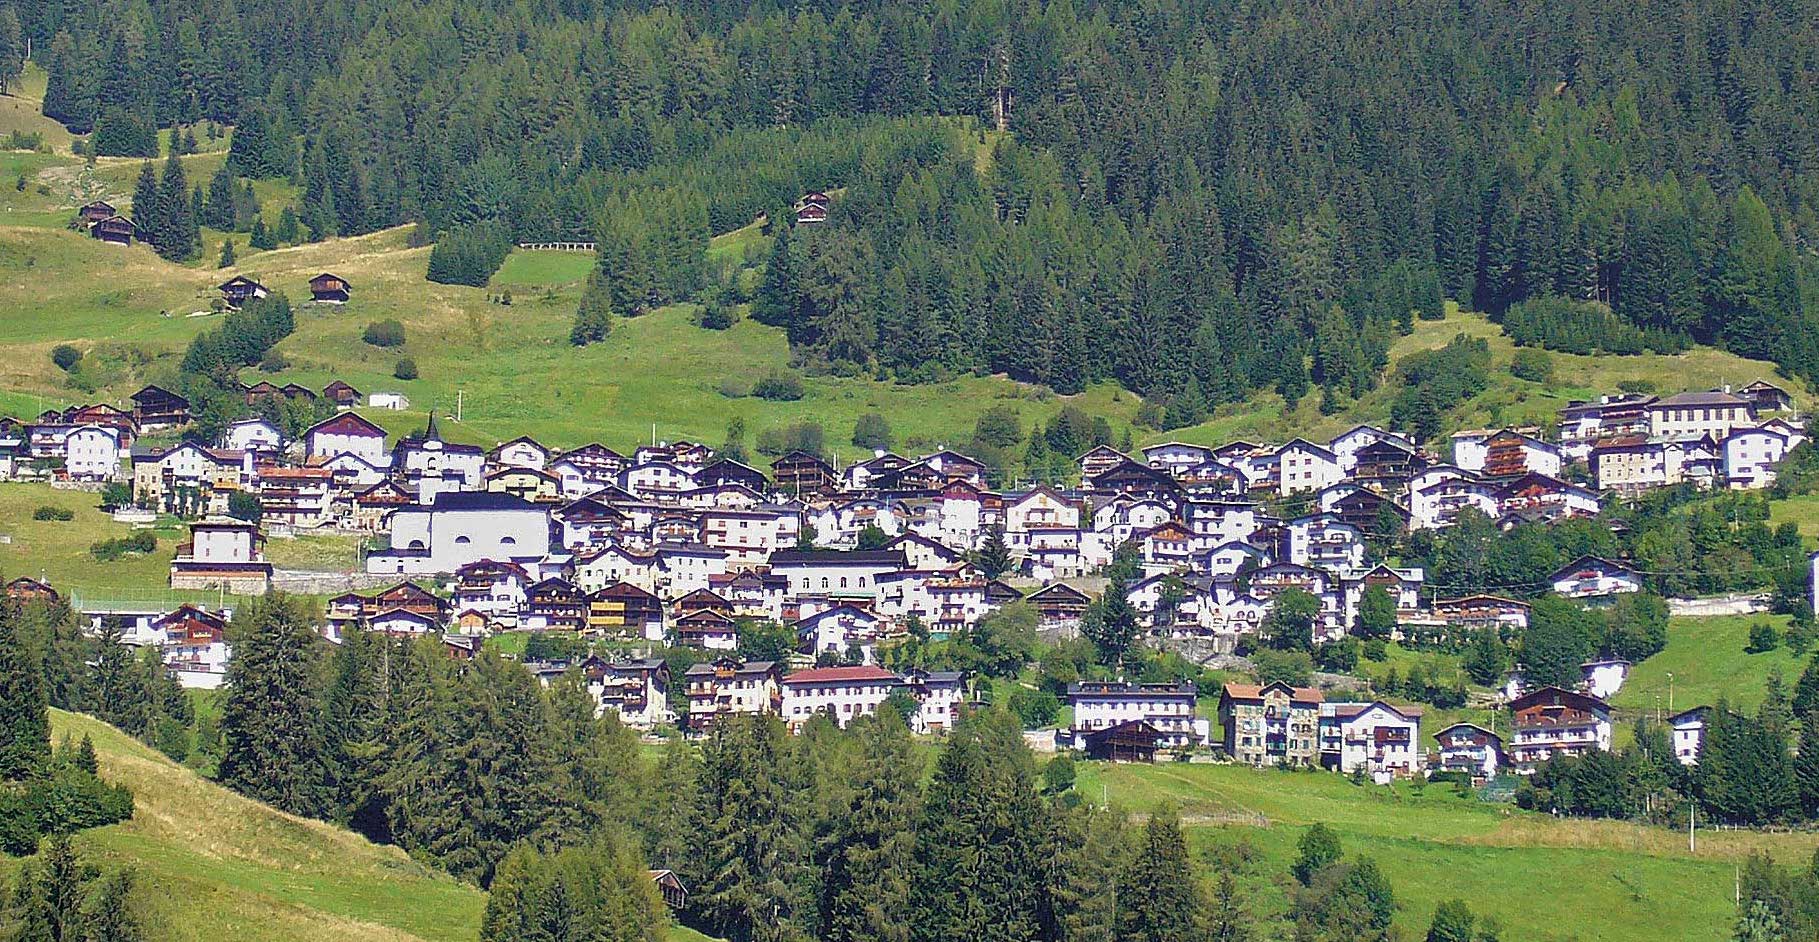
point(1706, 657)
point(215, 866)
point(1545, 879)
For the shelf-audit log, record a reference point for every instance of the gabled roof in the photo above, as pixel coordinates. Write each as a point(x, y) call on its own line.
point(1256, 692)
point(1585, 563)
point(1059, 589)
point(1554, 696)
point(346, 423)
point(840, 675)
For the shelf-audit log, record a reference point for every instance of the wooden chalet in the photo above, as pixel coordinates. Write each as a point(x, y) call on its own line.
point(1767, 397)
point(1368, 510)
point(675, 896)
point(341, 394)
point(556, 603)
point(703, 600)
point(1059, 603)
point(26, 589)
point(240, 289)
point(156, 407)
point(623, 607)
point(1132, 741)
point(117, 230)
point(728, 471)
point(96, 211)
point(263, 390)
point(1136, 480)
point(706, 629)
point(998, 592)
point(812, 208)
point(799, 473)
point(329, 289)
point(406, 596)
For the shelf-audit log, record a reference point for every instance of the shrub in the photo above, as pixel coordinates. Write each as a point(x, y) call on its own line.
point(735, 387)
point(1763, 638)
point(802, 436)
point(65, 356)
point(718, 315)
point(274, 362)
point(244, 506)
point(47, 512)
point(1533, 365)
point(385, 333)
point(779, 387)
point(406, 369)
point(872, 431)
point(107, 551)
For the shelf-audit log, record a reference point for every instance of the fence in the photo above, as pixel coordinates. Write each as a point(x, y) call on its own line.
point(556, 246)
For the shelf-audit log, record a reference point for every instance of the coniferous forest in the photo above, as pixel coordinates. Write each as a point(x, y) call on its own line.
point(1196, 199)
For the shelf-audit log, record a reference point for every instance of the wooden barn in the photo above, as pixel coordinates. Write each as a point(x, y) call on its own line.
point(329, 289)
point(240, 289)
point(1133, 741)
point(344, 396)
point(117, 230)
point(96, 211)
point(155, 407)
point(812, 208)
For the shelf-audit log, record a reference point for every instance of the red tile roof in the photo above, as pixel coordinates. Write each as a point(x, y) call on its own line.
point(835, 675)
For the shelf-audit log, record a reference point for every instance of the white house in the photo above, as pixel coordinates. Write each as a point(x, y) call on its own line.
point(222, 553)
point(839, 631)
point(832, 572)
point(1382, 739)
point(388, 400)
point(939, 695)
point(1176, 457)
point(252, 435)
point(1750, 457)
point(347, 434)
point(842, 693)
point(1594, 577)
point(1689, 733)
point(1469, 748)
point(1305, 466)
point(92, 453)
point(1168, 707)
point(462, 527)
point(638, 690)
point(520, 452)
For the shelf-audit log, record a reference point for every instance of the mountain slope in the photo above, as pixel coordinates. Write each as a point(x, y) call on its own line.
point(214, 866)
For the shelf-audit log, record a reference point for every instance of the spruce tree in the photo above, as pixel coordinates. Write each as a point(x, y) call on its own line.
point(1158, 899)
point(287, 231)
point(271, 724)
point(865, 871)
point(261, 237)
point(227, 255)
point(1453, 922)
point(746, 854)
point(594, 316)
point(181, 238)
point(109, 917)
point(25, 735)
point(148, 209)
point(1806, 766)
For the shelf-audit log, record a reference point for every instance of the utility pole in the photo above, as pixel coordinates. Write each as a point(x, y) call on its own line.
point(458, 397)
point(1692, 840)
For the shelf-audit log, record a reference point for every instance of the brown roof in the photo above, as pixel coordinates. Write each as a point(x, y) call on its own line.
point(1255, 692)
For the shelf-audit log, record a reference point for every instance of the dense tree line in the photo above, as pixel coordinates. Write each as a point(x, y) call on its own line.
point(44, 791)
point(1584, 327)
point(1193, 239)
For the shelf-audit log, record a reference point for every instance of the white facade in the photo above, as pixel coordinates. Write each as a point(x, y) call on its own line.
point(1750, 457)
point(1382, 740)
point(92, 453)
point(843, 693)
point(1304, 466)
point(388, 400)
point(461, 528)
point(1168, 707)
point(252, 435)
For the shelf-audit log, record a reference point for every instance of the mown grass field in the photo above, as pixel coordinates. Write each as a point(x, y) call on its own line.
point(1706, 658)
point(59, 550)
point(1544, 879)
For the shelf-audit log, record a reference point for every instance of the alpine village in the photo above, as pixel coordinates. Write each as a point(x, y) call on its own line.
point(1053, 471)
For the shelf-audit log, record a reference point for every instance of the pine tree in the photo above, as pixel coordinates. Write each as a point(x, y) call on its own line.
point(261, 237)
point(1453, 922)
point(1111, 623)
point(181, 237)
point(594, 316)
point(1229, 920)
point(1806, 766)
point(353, 722)
point(227, 255)
point(1318, 850)
point(109, 917)
point(148, 209)
point(12, 49)
point(865, 867)
point(287, 232)
point(271, 726)
point(25, 735)
point(1158, 899)
point(994, 557)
